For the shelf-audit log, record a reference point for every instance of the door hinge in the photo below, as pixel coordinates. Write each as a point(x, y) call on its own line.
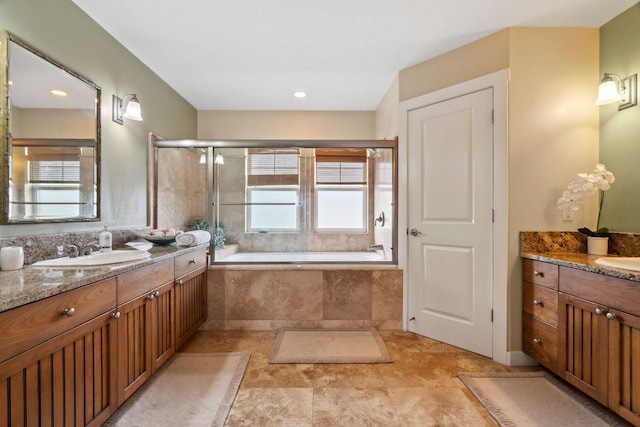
point(492, 315)
point(493, 116)
point(493, 215)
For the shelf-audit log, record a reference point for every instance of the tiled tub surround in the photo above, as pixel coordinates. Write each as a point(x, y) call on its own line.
point(309, 297)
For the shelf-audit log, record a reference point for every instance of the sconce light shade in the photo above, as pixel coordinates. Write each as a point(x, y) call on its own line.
point(219, 160)
point(614, 89)
point(131, 110)
point(608, 91)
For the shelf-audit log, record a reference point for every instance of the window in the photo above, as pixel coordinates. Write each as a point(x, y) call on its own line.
point(272, 190)
point(341, 190)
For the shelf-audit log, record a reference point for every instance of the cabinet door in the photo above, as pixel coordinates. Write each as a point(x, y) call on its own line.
point(68, 380)
point(191, 304)
point(134, 343)
point(162, 325)
point(583, 358)
point(624, 365)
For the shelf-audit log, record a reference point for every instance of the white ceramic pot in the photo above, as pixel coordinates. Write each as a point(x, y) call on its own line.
point(597, 245)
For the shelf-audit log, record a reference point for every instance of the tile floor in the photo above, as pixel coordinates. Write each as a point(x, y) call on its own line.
point(420, 387)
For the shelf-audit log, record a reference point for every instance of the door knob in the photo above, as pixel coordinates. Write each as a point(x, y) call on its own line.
point(415, 232)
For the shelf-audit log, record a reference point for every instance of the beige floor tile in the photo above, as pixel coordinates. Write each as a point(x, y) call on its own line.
point(444, 406)
point(261, 374)
point(223, 341)
point(353, 407)
point(272, 407)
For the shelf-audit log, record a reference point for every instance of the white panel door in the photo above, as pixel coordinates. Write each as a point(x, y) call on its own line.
point(450, 170)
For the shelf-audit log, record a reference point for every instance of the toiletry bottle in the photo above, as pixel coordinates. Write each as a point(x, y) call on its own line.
point(105, 240)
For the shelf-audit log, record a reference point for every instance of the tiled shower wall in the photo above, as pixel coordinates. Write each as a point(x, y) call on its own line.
point(255, 299)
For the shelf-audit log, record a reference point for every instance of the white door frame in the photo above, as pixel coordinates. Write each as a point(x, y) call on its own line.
point(499, 81)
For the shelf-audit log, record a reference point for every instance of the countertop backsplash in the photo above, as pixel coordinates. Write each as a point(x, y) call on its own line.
point(45, 246)
point(622, 244)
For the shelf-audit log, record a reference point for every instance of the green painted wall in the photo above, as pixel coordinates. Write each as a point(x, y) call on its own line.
point(62, 31)
point(620, 130)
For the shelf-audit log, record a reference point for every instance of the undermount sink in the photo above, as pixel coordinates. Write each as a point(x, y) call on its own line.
point(627, 263)
point(96, 258)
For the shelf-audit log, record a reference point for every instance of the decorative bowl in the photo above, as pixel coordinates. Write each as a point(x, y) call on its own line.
point(160, 240)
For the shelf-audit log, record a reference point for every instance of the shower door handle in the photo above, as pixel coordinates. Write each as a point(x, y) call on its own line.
point(415, 232)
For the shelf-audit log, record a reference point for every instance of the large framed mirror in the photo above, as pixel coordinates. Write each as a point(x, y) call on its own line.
point(50, 133)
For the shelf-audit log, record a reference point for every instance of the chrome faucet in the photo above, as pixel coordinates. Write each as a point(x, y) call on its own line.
point(373, 248)
point(87, 250)
point(73, 251)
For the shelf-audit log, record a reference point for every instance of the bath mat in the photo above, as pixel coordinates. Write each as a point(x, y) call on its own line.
point(329, 346)
point(536, 399)
point(192, 389)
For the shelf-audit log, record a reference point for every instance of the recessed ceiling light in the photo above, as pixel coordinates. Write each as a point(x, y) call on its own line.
point(299, 94)
point(58, 92)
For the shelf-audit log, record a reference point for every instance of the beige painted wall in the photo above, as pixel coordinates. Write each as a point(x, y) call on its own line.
point(387, 112)
point(62, 31)
point(286, 124)
point(553, 135)
point(472, 60)
point(553, 125)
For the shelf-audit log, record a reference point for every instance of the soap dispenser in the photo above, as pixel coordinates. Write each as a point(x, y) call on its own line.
point(105, 240)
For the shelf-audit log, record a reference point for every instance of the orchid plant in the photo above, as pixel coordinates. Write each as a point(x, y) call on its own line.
point(588, 184)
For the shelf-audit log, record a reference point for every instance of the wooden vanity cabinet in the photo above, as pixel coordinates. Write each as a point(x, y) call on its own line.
point(146, 336)
point(583, 352)
point(190, 294)
point(597, 330)
point(540, 312)
point(67, 377)
point(612, 306)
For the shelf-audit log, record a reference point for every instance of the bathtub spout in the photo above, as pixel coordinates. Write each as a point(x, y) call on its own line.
point(373, 248)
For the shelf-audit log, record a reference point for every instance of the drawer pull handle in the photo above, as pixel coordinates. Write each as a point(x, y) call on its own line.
point(69, 311)
point(116, 315)
point(538, 273)
point(193, 261)
point(537, 341)
point(599, 311)
point(153, 295)
point(538, 302)
point(179, 282)
point(611, 316)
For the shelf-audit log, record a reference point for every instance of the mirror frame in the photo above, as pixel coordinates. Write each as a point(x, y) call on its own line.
point(5, 145)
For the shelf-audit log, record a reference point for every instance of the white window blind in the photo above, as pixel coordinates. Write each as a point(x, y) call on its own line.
point(54, 172)
point(340, 166)
point(272, 166)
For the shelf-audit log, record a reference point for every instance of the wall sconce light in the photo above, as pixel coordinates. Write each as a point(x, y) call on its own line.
point(203, 157)
point(614, 89)
point(219, 160)
point(127, 107)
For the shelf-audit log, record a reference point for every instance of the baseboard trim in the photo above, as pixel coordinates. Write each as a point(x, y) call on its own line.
point(519, 358)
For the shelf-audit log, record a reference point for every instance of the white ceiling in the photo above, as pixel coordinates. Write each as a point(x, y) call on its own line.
point(253, 54)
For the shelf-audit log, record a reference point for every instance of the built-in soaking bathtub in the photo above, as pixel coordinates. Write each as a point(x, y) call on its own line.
point(301, 257)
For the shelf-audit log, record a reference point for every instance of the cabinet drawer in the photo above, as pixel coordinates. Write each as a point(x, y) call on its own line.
point(137, 282)
point(27, 326)
point(541, 303)
point(609, 291)
point(540, 341)
point(191, 261)
point(540, 273)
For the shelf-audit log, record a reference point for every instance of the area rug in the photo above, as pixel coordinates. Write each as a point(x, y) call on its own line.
point(329, 346)
point(536, 399)
point(192, 389)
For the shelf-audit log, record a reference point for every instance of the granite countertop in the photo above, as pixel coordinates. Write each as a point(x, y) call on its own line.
point(31, 284)
point(582, 261)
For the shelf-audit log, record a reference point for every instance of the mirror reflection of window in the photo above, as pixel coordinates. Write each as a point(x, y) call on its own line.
point(53, 139)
